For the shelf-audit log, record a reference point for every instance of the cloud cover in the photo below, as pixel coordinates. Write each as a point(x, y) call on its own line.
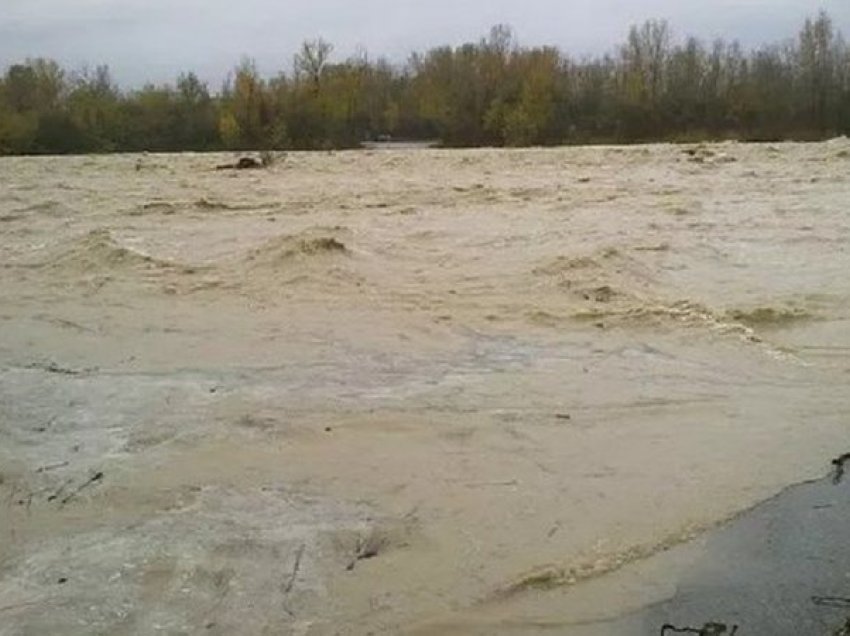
point(153, 40)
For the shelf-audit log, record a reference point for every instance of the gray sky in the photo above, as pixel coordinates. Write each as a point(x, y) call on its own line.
point(155, 39)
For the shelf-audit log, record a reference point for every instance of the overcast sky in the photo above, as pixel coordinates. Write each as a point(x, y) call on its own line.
point(152, 40)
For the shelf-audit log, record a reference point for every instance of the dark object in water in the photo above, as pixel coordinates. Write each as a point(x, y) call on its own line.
point(248, 163)
point(245, 163)
point(52, 367)
point(94, 479)
point(368, 549)
point(709, 629)
point(292, 577)
point(839, 602)
point(839, 462)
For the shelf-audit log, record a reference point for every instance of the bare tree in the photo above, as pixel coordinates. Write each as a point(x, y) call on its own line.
point(312, 60)
point(646, 55)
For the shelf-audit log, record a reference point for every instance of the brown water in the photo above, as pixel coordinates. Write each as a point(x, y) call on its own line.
point(406, 390)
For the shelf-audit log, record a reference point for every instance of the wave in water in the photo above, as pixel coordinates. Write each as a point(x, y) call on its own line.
point(99, 252)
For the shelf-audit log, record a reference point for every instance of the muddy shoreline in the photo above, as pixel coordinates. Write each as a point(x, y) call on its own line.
point(782, 568)
point(779, 569)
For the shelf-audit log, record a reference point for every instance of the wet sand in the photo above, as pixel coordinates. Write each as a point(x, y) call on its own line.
point(385, 391)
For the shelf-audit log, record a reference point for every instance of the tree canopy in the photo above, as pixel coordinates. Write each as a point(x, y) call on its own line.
point(493, 92)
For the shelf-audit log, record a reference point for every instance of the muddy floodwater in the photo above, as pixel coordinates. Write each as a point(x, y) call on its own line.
point(403, 391)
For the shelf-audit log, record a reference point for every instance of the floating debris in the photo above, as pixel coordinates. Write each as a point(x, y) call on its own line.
point(839, 463)
point(96, 478)
point(832, 601)
point(709, 629)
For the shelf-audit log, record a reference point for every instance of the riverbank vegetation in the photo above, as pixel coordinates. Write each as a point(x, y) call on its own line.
point(652, 87)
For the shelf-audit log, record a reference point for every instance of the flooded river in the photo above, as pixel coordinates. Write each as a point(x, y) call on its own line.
point(395, 391)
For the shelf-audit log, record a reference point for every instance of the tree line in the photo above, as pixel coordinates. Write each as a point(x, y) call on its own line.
point(493, 92)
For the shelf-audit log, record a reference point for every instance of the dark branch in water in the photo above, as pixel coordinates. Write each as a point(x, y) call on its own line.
point(709, 629)
point(52, 367)
point(97, 477)
point(266, 160)
point(832, 601)
point(291, 582)
point(245, 163)
point(839, 462)
point(50, 467)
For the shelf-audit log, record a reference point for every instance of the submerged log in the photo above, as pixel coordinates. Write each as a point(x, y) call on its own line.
point(245, 163)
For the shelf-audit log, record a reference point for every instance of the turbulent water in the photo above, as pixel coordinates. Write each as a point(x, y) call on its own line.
point(402, 391)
